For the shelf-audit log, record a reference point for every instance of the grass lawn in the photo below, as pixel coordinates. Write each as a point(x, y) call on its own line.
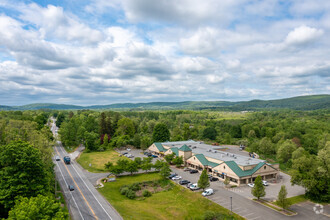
point(178, 203)
point(98, 159)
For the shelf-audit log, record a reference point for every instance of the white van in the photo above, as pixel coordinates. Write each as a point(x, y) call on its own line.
point(207, 192)
point(194, 186)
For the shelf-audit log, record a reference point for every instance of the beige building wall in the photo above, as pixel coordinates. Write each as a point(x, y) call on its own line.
point(169, 151)
point(185, 154)
point(195, 161)
point(153, 148)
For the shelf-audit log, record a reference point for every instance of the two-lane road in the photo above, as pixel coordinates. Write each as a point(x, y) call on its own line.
point(84, 202)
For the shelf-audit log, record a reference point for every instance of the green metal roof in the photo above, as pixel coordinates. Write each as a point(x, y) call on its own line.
point(160, 147)
point(175, 150)
point(185, 148)
point(241, 173)
point(204, 161)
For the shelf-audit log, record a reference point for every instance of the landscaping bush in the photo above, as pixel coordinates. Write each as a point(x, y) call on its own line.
point(124, 190)
point(146, 193)
point(130, 194)
point(210, 215)
point(135, 187)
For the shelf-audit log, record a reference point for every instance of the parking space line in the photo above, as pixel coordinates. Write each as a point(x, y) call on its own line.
point(255, 218)
point(248, 214)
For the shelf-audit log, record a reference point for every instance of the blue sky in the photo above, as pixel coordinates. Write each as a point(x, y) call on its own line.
point(102, 52)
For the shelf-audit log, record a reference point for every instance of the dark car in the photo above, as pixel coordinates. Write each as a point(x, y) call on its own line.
point(184, 182)
point(193, 171)
point(212, 179)
point(124, 153)
point(172, 175)
point(71, 187)
point(154, 156)
point(186, 169)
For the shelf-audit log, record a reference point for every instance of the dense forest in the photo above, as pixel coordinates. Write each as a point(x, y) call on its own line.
point(26, 167)
point(298, 140)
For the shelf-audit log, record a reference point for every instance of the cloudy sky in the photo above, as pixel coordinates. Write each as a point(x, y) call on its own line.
point(102, 52)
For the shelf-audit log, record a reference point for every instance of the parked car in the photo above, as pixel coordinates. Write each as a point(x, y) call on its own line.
point(188, 185)
point(186, 169)
point(172, 175)
point(71, 187)
point(184, 182)
point(128, 149)
point(154, 156)
point(194, 186)
point(176, 178)
point(212, 179)
point(57, 158)
point(124, 153)
point(129, 155)
point(193, 171)
point(149, 154)
point(207, 192)
point(265, 183)
point(251, 185)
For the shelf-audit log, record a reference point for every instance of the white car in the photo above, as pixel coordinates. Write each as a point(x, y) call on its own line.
point(265, 183)
point(176, 178)
point(251, 185)
point(207, 192)
point(129, 155)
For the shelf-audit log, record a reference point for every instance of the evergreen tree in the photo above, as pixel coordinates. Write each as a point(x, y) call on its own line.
point(203, 181)
point(281, 198)
point(259, 189)
point(165, 171)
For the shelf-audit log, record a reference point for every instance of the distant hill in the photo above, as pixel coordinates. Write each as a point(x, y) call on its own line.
point(312, 102)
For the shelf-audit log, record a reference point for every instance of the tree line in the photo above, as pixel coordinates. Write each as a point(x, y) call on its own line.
point(26, 167)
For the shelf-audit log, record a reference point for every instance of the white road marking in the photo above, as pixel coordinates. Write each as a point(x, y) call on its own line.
point(69, 191)
point(248, 214)
point(89, 188)
point(255, 218)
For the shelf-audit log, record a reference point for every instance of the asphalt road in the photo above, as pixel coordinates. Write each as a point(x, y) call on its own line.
point(84, 202)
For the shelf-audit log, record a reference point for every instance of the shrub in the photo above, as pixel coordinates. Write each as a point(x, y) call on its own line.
point(130, 194)
point(146, 193)
point(135, 187)
point(124, 190)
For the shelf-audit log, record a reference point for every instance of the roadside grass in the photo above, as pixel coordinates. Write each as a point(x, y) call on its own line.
point(294, 200)
point(274, 206)
point(177, 203)
point(98, 159)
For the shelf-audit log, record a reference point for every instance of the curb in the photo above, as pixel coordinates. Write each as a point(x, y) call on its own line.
point(295, 213)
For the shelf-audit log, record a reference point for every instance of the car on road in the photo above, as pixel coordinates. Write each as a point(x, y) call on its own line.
point(193, 171)
point(194, 186)
point(57, 158)
point(184, 182)
point(251, 185)
point(265, 183)
point(67, 160)
point(154, 156)
point(213, 179)
point(176, 178)
point(71, 187)
point(207, 192)
point(172, 175)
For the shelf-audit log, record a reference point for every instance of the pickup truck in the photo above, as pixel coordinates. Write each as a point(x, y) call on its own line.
point(67, 160)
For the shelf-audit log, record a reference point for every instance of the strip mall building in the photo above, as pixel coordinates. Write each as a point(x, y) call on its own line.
point(239, 169)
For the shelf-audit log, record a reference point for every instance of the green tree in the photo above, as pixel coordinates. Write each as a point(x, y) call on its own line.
point(137, 141)
point(91, 141)
point(165, 171)
point(259, 189)
point(125, 127)
point(146, 165)
point(158, 165)
point(226, 182)
point(178, 161)
point(105, 140)
point(285, 151)
point(160, 133)
point(210, 133)
point(131, 167)
point(22, 172)
point(169, 158)
point(203, 181)
point(40, 207)
point(281, 198)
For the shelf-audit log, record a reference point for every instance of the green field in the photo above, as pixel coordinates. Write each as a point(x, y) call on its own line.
point(98, 159)
point(178, 203)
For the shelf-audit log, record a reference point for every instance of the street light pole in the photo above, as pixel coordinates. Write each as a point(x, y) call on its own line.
point(231, 205)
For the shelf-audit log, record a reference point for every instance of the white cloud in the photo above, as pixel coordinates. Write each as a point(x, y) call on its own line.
point(303, 35)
